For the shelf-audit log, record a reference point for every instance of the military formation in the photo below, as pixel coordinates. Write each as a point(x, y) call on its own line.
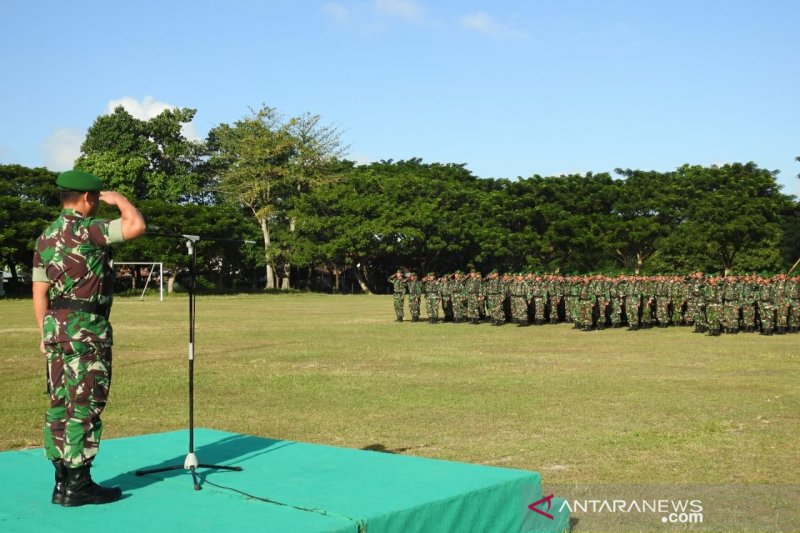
point(711, 304)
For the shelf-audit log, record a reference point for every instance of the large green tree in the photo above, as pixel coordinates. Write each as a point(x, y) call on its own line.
point(147, 159)
point(729, 220)
point(28, 201)
point(264, 160)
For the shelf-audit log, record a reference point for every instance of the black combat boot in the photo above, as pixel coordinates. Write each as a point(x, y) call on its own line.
point(61, 479)
point(81, 490)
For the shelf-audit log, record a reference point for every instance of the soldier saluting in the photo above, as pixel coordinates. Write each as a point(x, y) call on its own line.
point(73, 282)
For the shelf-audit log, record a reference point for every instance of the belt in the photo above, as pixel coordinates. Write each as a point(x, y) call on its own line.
point(80, 305)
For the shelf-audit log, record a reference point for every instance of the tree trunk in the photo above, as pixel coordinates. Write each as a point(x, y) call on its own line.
point(336, 272)
point(270, 283)
point(285, 279)
point(639, 262)
point(361, 276)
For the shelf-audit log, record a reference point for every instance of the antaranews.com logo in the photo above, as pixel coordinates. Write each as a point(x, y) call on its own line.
point(671, 511)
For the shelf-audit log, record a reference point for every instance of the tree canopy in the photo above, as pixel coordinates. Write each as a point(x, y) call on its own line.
point(286, 180)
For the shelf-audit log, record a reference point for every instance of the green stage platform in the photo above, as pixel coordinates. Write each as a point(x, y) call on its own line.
point(284, 486)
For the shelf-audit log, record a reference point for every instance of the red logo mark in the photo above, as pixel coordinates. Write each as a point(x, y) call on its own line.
point(547, 499)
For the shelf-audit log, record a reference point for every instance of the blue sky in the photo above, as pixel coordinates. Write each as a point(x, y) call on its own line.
point(510, 88)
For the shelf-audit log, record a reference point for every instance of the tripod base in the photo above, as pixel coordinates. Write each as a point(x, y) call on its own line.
point(190, 464)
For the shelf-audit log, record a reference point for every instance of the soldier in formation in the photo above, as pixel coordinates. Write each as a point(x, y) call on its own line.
point(710, 304)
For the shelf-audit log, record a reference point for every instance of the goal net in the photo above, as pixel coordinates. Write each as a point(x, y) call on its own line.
point(135, 275)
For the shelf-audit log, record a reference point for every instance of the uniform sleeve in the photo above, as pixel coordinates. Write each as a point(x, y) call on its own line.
point(105, 232)
point(38, 273)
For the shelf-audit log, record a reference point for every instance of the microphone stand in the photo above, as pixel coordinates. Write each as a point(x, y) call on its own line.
point(191, 462)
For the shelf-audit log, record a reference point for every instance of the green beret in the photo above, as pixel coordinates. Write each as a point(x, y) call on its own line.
point(75, 180)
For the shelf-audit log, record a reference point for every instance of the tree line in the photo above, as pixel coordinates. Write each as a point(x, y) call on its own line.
point(320, 219)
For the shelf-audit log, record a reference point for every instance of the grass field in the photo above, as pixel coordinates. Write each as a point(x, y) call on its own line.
point(654, 406)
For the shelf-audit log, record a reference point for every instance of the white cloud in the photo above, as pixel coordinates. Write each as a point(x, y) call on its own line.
point(372, 16)
point(406, 9)
point(360, 158)
point(337, 12)
point(150, 108)
point(61, 148)
point(484, 24)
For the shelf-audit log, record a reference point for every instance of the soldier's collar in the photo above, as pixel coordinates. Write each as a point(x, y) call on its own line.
point(68, 211)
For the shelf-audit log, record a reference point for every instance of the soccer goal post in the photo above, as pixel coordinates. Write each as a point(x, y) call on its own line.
point(151, 269)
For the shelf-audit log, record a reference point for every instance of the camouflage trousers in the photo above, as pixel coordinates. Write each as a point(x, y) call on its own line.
point(713, 316)
point(432, 305)
point(677, 311)
point(793, 315)
point(782, 309)
point(538, 308)
point(618, 303)
point(473, 309)
point(766, 311)
point(519, 309)
point(692, 311)
point(698, 312)
point(413, 306)
point(662, 310)
point(459, 308)
point(633, 305)
point(586, 311)
point(603, 304)
point(78, 381)
point(494, 307)
point(447, 307)
point(647, 312)
point(730, 315)
point(398, 305)
point(570, 308)
point(553, 314)
point(748, 315)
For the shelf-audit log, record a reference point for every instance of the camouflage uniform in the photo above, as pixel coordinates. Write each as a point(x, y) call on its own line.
point(648, 298)
point(633, 302)
point(693, 300)
point(459, 298)
point(730, 304)
point(678, 293)
point(474, 291)
point(555, 287)
point(616, 291)
point(572, 299)
point(520, 298)
point(662, 294)
point(587, 299)
point(431, 288)
point(602, 298)
point(398, 293)
point(446, 285)
point(74, 256)
point(538, 297)
point(793, 286)
point(495, 291)
point(766, 307)
point(748, 295)
point(712, 294)
point(414, 296)
point(782, 303)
